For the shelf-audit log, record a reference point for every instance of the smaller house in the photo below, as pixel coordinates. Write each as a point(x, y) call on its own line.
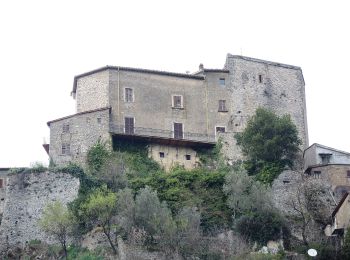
point(330, 165)
point(340, 218)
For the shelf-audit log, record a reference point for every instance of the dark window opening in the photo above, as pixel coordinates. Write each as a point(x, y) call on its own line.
point(1, 183)
point(316, 174)
point(99, 120)
point(129, 125)
point(325, 158)
point(286, 181)
point(65, 128)
point(260, 78)
point(178, 131)
point(220, 129)
point(161, 154)
point(65, 149)
point(348, 173)
point(222, 106)
point(222, 82)
point(177, 101)
point(188, 157)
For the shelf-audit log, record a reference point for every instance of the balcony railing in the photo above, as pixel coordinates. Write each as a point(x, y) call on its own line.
point(159, 133)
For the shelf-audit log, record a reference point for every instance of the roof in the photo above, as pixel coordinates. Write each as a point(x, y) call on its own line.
point(118, 68)
point(326, 147)
point(340, 204)
point(264, 61)
point(77, 114)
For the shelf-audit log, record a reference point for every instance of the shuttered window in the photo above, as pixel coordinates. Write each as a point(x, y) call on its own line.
point(178, 131)
point(65, 149)
point(222, 106)
point(177, 102)
point(129, 125)
point(129, 95)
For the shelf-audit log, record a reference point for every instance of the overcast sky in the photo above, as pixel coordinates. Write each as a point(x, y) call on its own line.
point(44, 44)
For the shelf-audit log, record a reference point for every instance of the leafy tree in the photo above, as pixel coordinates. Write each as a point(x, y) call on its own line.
point(244, 194)
point(270, 143)
point(125, 208)
point(154, 216)
point(100, 208)
point(346, 245)
point(57, 222)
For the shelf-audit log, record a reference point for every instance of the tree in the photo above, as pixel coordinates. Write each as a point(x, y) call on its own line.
point(100, 208)
point(269, 142)
point(244, 194)
point(57, 222)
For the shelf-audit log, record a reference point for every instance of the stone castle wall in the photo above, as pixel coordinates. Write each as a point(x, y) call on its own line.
point(256, 83)
point(27, 195)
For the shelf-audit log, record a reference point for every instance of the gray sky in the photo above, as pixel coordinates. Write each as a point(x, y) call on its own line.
point(44, 44)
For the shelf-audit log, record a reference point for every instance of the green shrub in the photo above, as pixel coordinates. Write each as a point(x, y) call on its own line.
point(260, 226)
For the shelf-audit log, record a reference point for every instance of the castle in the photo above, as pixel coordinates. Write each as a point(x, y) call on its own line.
point(176, 113)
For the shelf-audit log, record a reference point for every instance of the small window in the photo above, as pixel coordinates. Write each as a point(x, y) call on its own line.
point(325, 158)
point(65, 128)
point(66, 149)
point(220, 129)
point(161, 154)
point(286, 181)
point(99, 120)
point(1, 183)
point(222, 106)
point(178, 131)
point(222, 82)
point(129, 95)
point(348, 174)
point(317, 174)
point(177, 102)
point(260, 78)
point(188, 157)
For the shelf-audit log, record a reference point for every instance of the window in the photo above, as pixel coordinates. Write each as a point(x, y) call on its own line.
point(66, 149)
point(129, 125)
point(65, 128)
point(317, 174)
point(348, 174)
point(260, 78)
point(177, 102)
point(188, 157)
point(325, 158)
point(222, 106)
point(161, 154)
point(220, 129)
point(129, 95)
point(99, 120)
point(178, 131)
point(222, 82)
point(1, 183)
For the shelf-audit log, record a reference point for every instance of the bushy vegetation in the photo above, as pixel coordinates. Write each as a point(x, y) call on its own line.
point(270, 144)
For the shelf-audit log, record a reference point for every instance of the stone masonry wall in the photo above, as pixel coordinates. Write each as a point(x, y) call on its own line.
point(27, 196)
point(281, 89)
point(93, 91)
point(84, 131)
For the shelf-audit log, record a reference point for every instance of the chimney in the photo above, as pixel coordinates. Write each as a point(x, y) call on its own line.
point(201, 67)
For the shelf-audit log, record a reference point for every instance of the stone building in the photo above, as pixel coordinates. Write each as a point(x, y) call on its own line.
point(330, 165)
point(176, 113)
point(3, 182)
point(340, 218)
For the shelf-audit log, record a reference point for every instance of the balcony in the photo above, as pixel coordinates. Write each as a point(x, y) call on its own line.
point(162, 136)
